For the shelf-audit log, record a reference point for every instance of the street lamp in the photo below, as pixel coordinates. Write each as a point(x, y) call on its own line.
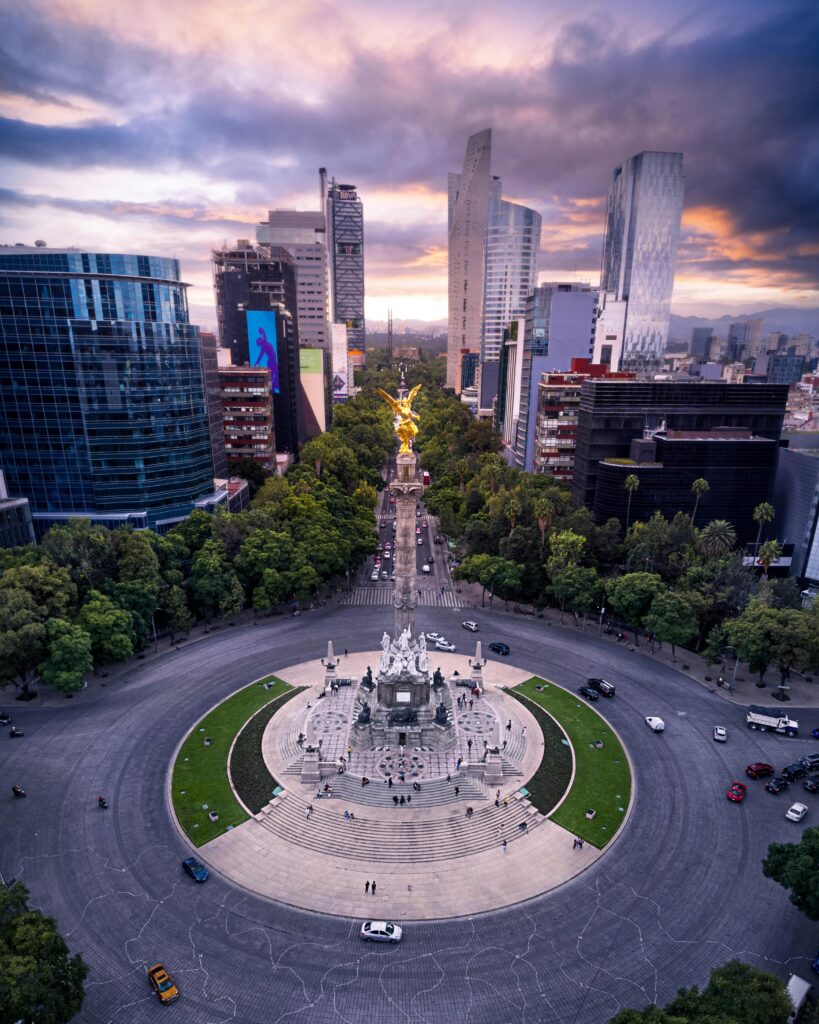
point(602, 613)
point(730, 647)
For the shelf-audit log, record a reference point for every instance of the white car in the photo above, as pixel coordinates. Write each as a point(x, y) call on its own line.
point(444, 645)
point(471, 626)
point(654, 723)
point(420, 541)
point(720, 733)
point(424, 568)
point(434, 637)
point(374, 575)
point(381, 931)
point(796, 812)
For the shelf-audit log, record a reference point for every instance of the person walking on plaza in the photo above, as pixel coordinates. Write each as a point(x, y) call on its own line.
point(395, 799)
point(373, 887)
point(403, 800)
point(367, 886)
point(509, 725)
point(457, 790)
point(503, 846)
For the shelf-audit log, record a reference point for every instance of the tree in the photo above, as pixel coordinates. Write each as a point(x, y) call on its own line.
point(631, 597)
point(795, 642)
point(566, 549)
point(86, 550)
point(763, 514)
point(252, 471)
point(177, 613)
point(671, 619)
point(69, 657)
point(39, 980)
point(50, 586)
point(768, 553)
point(577, 587)
point(698, 488)
point(717, 538)
point(109, 627)
point(513, 511)
point(631, 484)
point(211, 577)
point(23, 636)
point(544, 512)
point(753, 635)
point(795, 866)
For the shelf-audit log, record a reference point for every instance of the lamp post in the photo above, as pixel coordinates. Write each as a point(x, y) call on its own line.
point(602, 613)
point(730, 647)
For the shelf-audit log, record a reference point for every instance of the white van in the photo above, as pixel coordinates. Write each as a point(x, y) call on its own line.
point(798, 990)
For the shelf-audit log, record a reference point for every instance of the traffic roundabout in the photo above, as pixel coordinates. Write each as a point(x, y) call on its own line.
point(679, 892)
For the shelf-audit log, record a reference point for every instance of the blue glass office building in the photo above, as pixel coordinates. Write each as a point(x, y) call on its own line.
point(102, 399)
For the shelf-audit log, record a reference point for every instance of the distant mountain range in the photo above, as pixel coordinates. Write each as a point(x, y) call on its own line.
point(787, 319)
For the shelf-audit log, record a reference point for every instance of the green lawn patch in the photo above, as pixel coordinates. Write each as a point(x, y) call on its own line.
point(251, 779)
point(200, 780)
point(550, 781)
point(602, 778)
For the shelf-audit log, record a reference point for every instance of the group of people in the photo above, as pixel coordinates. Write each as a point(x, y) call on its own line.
point(402, 799)
point(462, 701)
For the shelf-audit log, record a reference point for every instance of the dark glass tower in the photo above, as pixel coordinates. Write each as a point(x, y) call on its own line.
point(102, 397)
point(345, 240)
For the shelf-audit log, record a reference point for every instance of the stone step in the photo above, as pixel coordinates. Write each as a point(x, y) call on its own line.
point(435, 793)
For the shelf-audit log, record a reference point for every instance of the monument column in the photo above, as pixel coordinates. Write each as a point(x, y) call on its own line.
point(407, 489)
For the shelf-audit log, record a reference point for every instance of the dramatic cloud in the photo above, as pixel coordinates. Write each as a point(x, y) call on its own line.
point(170, 126)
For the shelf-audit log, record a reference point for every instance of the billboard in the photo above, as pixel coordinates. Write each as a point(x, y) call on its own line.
point(311, 372)
point(340, 368)
point(262, 344)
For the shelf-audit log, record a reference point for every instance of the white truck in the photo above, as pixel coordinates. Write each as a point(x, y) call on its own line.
point(771, 719)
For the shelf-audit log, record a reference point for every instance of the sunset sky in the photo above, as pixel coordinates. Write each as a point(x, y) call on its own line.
point(169, 127)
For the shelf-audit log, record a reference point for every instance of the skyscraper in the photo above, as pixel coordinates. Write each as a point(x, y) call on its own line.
point(344, 215)
point(701, 343)
point(640, 251)
point(103, 411)
point(468, 211)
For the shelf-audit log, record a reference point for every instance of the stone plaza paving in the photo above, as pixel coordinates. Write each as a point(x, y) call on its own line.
point(316, 845)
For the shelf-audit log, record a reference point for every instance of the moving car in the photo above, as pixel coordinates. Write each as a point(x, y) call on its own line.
point(444, 645)
point(195, 868)
point(809, 761)
point(471, 626)
point(794, 771)
point(796, 812)
point(381, 931)
point(163, 984)
point(384, 574)
point(720, 733)
point(374, 575)
point(434, 636)
point(776, 784)
point(5, 719)
point(424, 523)
point(603, 687)
point(736, 792)
point(387, 554)
point(759, 770)
point(498, 647)
point(417, 529)
point(420, 541)
point(588, 693)
point(654, 723)
point(425, 568)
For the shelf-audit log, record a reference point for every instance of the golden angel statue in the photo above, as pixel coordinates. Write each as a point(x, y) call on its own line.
point(405, 427)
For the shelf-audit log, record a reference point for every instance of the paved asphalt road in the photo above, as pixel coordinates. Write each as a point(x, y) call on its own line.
point(680, 892)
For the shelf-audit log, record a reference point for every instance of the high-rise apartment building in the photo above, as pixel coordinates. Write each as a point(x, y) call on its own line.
point(559, 327)
point(302, 233)
point(640, 252)
point(247, 411)
point(493, 256)
point(468, 212)
point(507, 406)
point(255, 299)
point(744, 340)
point(344, 217)
point(213, 396)
point(701, 338)
point(510, 273)
point(103, 411)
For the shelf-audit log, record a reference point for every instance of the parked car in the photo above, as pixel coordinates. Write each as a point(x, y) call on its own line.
point(163, 984)
point(720, 733)
point(796, 812)
point(655, 724)
point(374, 575)
point(810, 761)
point(736, 792)
point(471, 626)
point(814, 734)
point(588, 693)
point(444, 645)
point(794, 771)
point(195, 868)
point(384, 574)
point(498, 647)
point(434, 636)
point(759, 770)
point(776, 784)
point(381, 931)
point(811, 784)
point(4, 718)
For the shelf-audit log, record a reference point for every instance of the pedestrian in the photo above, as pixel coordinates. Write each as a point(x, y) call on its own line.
point(497, 802)
point(346, 815)
point(389, 782)
point(352, 816)
point(580, 843)
point(509, 725)
point(373, 888)
point(574, 844)
point(503, 846)
point(457, 790)
point(448, 777)
point(395, 799)
point(409, 797)
point(497, 794)
point(367, 886)
point(403, 800)
point(345, 652)
point(469, 745)
point(307, 813)
point(506, 801)
point(523, 733)
point(470, 703)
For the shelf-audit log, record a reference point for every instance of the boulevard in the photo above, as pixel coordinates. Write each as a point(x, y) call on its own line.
point(680, 891)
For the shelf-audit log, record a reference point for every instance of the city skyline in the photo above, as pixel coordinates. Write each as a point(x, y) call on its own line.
point(167, 141)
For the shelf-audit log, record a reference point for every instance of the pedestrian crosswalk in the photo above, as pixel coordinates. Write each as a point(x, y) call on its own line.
point(384, 595)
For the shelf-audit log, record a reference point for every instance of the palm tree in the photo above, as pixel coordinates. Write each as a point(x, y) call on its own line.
point(513, 511)
point(698, 488)
point(632, 484)
point(769, 552)
point(763, 514)
point(717, 538)
point(544, 510)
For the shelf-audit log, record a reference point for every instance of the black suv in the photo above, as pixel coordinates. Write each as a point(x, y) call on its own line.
point(794, 771)
point(588, 693)
point(811, 784)
point(776, 784)
point(809, 761)
point(498, 647)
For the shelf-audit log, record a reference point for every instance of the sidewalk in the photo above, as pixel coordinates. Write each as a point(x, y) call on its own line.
point(803, 693)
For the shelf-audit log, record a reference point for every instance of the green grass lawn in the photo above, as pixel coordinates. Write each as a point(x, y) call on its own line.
point(251, 779)
point(602, 778)
point(200, 780)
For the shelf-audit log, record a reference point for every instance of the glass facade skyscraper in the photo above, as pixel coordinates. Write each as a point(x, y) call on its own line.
point(102, 398)
point(345, 243)
point(640, 251)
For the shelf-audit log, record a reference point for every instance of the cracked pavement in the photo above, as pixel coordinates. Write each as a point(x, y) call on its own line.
point(681, 890)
